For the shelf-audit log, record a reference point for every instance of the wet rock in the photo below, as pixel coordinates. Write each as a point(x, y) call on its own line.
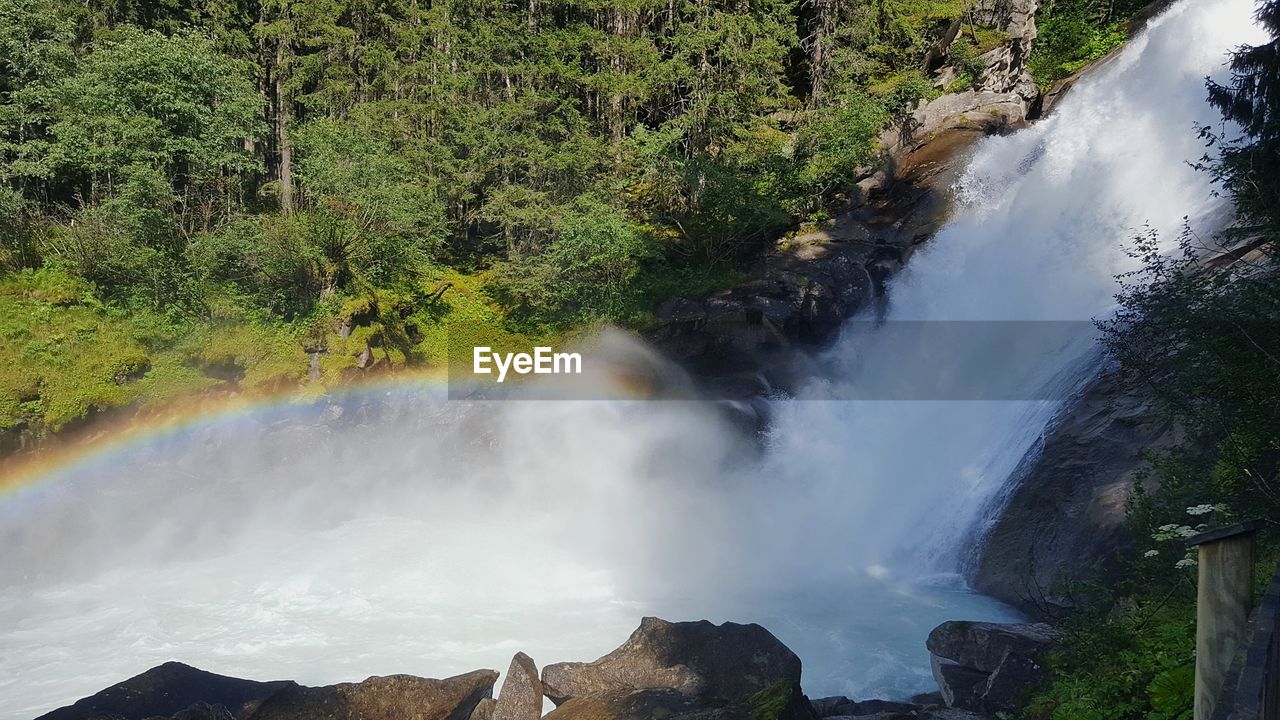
point(168, 690)
point(521, 695)
point(394, 697)
point(988, 666)
point(1065, 517)
point(713, 663)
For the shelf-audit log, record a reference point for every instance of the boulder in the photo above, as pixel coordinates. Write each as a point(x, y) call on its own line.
point(167, 691)
point(839, 706)
point(782, 701)
point(988, 666)
point(960, 686)
point(484, 709)
point(200, 711)
point(521, 695)
point(968, 113)
point(394, 697)
point(713, 663)
point(984, 646)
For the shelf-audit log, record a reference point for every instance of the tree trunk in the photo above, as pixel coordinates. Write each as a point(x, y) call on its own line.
point(282, 133)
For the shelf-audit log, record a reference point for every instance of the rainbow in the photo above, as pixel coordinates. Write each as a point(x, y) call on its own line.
point(26, 473)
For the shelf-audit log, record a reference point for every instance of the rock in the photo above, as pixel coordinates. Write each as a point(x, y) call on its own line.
point(960, 686)
point(972, 113)
point(782, 701)
point(1008, 684)
point(1006, 65)
point(984, 645)
point(200, 711)
point(988, 666)
point(626, 705)
point(169, 690)
point(521, 695)
point(484, 709)
point(946, 713)
point(929, 698)
point(832, 707)
point(394, 697)
point(713, 663)
point(1065, 516)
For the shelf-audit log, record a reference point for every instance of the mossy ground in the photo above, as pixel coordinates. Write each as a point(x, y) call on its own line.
point(66, 357)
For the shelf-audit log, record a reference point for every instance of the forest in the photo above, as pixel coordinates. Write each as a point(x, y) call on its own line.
point(202, 193)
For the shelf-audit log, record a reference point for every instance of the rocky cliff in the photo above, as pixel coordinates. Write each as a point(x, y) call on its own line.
point(1063, 518)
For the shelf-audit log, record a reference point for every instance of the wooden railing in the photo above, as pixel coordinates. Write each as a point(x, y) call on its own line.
point(1237, 660)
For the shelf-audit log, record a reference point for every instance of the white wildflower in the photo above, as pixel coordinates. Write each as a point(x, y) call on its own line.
point(1205, 509)
point(1151, 553)
point(1185, 563)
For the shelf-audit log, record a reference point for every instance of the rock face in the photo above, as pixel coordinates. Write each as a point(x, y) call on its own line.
point(394, 697)
point(484, 709)
point(172, 689)
point(987, 666)
point(711, 663)
point(1006, 65)
point(521, 695)
point(969, 115)
point(1065, 517)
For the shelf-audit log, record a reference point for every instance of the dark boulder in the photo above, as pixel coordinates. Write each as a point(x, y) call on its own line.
point(394, 697)
point(960, 686)
point(714, 663)
point(521, 695)
point(984, 645)
point(840, 706)
point(168, 690)
point(200, 711)
point(988, 666)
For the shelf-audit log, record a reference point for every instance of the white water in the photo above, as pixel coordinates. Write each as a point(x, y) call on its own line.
point(396, 532)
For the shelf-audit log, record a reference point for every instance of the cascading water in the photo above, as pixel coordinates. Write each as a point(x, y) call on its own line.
point(389, 530)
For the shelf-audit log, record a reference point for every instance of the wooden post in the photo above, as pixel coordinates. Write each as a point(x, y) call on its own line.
point(1224, 597)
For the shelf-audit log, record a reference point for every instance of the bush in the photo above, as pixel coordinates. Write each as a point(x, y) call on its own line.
point(586, 273)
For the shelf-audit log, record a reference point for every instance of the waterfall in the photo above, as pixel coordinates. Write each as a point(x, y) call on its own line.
point(390, 530)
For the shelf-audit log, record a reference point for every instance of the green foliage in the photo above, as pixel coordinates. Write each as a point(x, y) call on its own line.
point(837, 141)
point(1074, 33)
point(586, 273)
point(1067, 43)
point(1135, 662)
point(143, 102)
point(508, 168)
